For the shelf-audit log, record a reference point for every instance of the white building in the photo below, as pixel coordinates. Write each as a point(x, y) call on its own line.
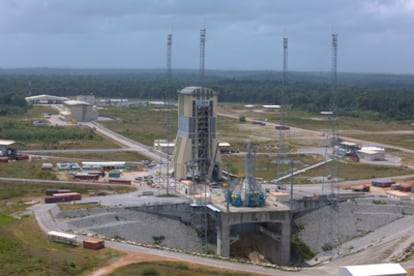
point(78, 111)
point(87, 98)
point(271, 107)
point(387, 269)
point(45, 99)
point(371, 153)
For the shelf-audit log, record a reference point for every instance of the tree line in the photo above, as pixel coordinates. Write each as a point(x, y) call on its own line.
point(382, 97)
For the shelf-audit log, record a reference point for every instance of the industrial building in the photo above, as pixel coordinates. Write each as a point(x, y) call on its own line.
point(8, 152)
point(78, 111)
point(86, 98)
point(389, 269)
point(371, 153)
point(45, 99)
point(271, 107)
point(196, 154)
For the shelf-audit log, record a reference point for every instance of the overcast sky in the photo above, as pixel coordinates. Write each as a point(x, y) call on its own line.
point(373, 35)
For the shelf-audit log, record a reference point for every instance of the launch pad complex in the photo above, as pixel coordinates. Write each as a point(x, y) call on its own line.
point(242, 219)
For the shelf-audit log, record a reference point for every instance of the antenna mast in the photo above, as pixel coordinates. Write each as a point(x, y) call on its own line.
point(202, 55)
point(334, 122)
point(167, 98)
point(282, 128)
point(283, 102)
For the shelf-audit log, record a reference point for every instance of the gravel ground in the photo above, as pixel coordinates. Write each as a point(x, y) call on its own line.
point(131, 225)
point(356, 225)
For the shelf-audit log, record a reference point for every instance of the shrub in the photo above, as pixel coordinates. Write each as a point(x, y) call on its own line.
point(158, 239)
point(150, 272)
point(301, 249)
point(327, 247)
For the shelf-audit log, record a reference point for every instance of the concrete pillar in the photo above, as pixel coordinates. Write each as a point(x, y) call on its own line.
point(284, 248)
point(223, 238)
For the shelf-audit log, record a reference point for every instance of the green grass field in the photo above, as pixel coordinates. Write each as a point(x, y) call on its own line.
point(354, 171)
point(25, 250)
point(13, 195)
point(346, 170)
point(171, 268)
point(21, 129)
point(26, 169)
point(98, 156)
point(142, 124)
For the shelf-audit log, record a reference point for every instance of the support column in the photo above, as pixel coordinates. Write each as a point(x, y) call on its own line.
point(284, 249)
point(223, 238)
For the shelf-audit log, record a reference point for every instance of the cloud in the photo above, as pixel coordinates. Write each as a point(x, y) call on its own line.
point(390, 9)
point(241, 34)
point(63, 16)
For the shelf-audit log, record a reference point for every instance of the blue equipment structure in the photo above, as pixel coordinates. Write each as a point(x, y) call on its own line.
point(248, 193)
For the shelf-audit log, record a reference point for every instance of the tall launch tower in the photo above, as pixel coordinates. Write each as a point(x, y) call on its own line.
point(196, 153)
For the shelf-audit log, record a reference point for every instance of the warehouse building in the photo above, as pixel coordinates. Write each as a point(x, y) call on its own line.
point(78, 111)
point(372, 153)
point(271, 107)
point(387, 269)
point(45, 99)
point(86, 98)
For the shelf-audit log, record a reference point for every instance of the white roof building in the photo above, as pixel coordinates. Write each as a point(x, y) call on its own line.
point(45, 99)
point(388, 269)
point(371, 153)
point(7, 142)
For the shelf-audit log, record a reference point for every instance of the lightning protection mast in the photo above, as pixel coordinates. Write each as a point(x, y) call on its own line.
point(168, 113)
point(334, 117)
point(334, 218)
point(284, 131)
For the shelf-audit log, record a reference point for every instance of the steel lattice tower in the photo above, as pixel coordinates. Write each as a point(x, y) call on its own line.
point(334, 215)
point(168, 103)
point(334, 116)
point(203, 146)
point(284, 131)
point(202, 54)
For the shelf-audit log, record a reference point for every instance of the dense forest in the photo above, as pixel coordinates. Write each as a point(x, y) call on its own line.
point(373, 96)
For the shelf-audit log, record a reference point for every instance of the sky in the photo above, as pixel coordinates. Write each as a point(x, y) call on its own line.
point(374, 36)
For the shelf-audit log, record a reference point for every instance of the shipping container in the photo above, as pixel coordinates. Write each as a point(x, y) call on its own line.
point(114, 174)
point(86, 176)
point(405, 187)
point(395, 186)
point(50, 192)
point(383, 183)
point(64, 197)
point(119, 181)
point(62, 237)
point(93, 244)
